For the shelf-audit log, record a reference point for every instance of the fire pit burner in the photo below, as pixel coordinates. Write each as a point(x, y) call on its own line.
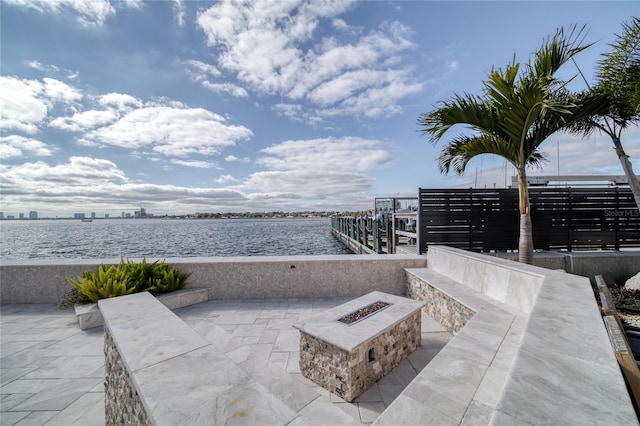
point(363, 312)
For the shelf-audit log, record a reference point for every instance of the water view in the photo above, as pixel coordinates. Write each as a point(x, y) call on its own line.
point(151, 238)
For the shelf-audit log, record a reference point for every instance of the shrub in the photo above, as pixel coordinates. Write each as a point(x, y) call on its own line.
point(129, 277)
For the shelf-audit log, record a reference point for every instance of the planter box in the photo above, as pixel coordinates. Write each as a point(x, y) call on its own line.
point(89, 315)
point(346, 359)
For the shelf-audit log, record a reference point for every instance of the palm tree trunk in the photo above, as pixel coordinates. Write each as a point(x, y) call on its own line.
point(634, 184)
point(525, 244)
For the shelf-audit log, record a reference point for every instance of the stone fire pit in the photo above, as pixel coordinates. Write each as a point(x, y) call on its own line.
point(348, 348)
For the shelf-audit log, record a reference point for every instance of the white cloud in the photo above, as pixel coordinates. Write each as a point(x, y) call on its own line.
point(225, 179)
point(179, 12)
point(41, 67)
point(89, 13)
point(320, 169)
point(78, 171)
point(201, 72)
point(99, 184)
point(52, 69)
point(232, 158)
point(195, 164)
point(25, 104)
point(269, 47)
point(17, 146)
point(121, 102)
point(57, 91)
point(93, 13)
point(84, 121)
point(228, 88)
point(170, 131)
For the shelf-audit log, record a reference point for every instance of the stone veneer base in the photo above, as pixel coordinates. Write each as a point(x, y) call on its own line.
point(338, 356)
point(122, 402)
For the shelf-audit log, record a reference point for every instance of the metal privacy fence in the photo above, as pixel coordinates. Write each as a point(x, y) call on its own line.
point(486, 220)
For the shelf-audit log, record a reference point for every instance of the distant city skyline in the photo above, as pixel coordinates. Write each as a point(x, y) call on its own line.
point(263, 105)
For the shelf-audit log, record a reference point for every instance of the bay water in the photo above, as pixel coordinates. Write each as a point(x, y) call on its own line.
point(165, 238)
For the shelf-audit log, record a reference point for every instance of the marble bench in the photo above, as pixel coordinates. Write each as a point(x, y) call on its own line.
point(159, 371)
point(529, 348)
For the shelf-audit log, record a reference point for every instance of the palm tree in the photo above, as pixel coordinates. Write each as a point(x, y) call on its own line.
point(515, 115)
point(619, 79)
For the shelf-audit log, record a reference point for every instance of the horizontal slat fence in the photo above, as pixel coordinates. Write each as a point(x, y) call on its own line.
point(484, 220)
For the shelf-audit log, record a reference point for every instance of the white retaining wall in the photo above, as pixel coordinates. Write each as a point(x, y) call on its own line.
point(44, 281)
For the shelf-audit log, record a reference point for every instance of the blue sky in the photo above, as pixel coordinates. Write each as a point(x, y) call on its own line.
point(199, 106)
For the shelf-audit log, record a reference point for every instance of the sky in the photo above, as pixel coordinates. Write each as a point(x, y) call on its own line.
point(198, 106)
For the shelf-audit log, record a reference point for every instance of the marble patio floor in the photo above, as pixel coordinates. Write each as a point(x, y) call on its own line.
point(52, 373)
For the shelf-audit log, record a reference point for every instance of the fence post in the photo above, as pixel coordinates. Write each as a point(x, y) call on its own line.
point(616, 222)
point(569, 221)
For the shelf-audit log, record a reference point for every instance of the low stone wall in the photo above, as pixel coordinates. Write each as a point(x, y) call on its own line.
point(44, 281)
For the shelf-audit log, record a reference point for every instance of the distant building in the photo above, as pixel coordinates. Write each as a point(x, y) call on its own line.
point(127, 214)
point(11, 217)
point(33, 214)
point(1, 215)
point(106, 215)
point(93, 215)
point(123, 214)
point(21, 215)
point(78, 215)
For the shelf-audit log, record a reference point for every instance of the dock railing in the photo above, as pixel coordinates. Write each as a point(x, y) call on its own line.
point(390, 228)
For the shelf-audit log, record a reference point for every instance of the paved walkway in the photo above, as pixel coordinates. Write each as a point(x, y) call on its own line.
point(52, 372)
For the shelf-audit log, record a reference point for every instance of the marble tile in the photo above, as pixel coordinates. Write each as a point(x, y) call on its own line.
point(143, 343)
point(217, 390)
point(477, 415)
point(13, 417)
point(523, 290)
point(430, 325)
point(536, 378)
point(405, 410)
point(370, 395)
point(36, 418)
point(8, 375)
point(78, 409)
point(53, 394)
point(474, 275)
point(495, 282)
point(268, 336)
point(389, 392)
point(369, 411)
point(220, 338)
point(8, 401)
point(10, 347)
point(236, 319)
point(92, 417)
point(449, 384)
point(323, 413)
point(68, 367)
point(287, 388)
point(85, 343)
point(246, 330)
point(287, 340)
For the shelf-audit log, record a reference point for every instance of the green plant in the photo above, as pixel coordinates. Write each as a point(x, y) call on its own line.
point(129, 277)
point(103, 283)
point(625, 298)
